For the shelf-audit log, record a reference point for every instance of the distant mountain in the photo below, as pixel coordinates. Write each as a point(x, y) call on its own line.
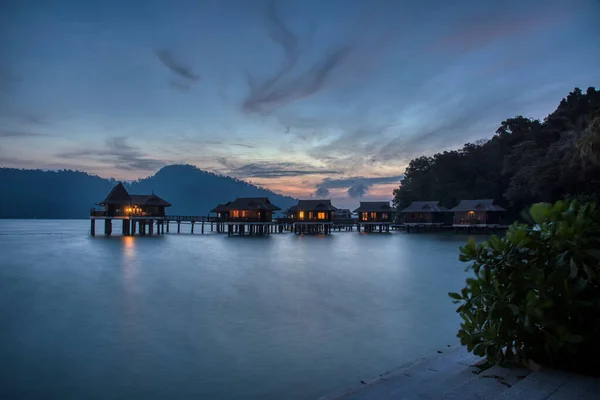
point(71, 194)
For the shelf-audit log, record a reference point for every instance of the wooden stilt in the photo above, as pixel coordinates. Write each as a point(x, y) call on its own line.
point(93, 227)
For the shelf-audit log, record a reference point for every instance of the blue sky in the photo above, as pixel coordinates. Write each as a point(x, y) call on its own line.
point(304, 97)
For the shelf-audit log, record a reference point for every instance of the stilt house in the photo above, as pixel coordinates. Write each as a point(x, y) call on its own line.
point(477, 212)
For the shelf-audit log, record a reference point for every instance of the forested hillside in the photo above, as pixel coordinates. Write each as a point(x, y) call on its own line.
point(526, 161)
point(71, 194)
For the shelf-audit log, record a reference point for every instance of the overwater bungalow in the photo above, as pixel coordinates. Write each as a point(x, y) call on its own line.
point(478, 213)
point(251, 209)
point(222, 210)
point(145, 209)
point(251, 215)
point(312, 216)
point(119, 203)
point(424, 213)
point(374, 215)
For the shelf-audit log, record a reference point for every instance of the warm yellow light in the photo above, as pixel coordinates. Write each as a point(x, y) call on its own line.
point(321, 215)
point(301, 215)
point(471, 213)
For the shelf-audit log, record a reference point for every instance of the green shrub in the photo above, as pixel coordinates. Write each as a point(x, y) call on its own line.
point(536, 294)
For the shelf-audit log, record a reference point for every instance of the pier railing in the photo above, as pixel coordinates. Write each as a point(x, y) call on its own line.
point(192, 218)
point(209, 219)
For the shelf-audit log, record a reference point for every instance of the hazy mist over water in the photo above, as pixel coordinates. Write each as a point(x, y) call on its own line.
point(207, 316)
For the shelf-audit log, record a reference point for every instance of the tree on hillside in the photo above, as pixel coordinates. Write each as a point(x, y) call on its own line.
point(524, 162)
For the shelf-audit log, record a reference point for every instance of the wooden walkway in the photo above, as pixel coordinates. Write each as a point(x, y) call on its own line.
point(155, 225)
point(149, 225)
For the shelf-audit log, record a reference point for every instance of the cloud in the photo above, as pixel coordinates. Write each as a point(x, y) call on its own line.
point(181, 70)
point(118, 152)
point(20, 134)
point(359, 189)
point(356, 186)
point(266, 169)
point(217, 142)
point(180, 86)
point(322, 192)
point(512, 19)
point(283, 86)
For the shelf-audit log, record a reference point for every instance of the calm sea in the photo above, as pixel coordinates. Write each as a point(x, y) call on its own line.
point(211, 317)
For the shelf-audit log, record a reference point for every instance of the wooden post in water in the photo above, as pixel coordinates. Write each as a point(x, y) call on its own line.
point(133, 227)
point(150, 227)
point(168, 224)
point(192, 227)
point(107, 227)
point(203, 227)
point(124, 227)
point(178, 226)
point(93, 227)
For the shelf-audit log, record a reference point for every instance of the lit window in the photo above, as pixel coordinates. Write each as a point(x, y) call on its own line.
point(373, 215)
point(321, 215)
point(385, 216)
point(244, 214)
point(471, 213)
point(365, 216)
point(235, 213)
point(310, 215)
point(301, 215)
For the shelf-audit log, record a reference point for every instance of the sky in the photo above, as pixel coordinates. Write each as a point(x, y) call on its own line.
point(309, 98)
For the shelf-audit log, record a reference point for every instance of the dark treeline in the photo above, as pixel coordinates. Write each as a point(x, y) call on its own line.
point(526, 161)
point(71, 194)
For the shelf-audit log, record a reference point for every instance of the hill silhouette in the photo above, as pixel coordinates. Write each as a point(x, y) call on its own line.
point(525, 162)
point(71, 194)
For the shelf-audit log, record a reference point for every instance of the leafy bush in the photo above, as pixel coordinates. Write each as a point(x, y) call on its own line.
point(536, 293)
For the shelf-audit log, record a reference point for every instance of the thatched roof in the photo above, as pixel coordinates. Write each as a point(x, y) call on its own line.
point(119, 195)
point(425, 206)
point(313, 205)
point(374, 206)
point(251, 203)
point(221, 208)
point(148, 200)
point(477, 205)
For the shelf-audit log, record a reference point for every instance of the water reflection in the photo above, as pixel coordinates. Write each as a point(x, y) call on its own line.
point(129, 257)
point(201, 316)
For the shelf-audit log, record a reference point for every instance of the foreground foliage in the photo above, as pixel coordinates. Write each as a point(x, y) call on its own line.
point(536, 291)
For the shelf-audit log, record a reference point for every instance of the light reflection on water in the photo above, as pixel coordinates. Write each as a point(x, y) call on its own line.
point(206, 316)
